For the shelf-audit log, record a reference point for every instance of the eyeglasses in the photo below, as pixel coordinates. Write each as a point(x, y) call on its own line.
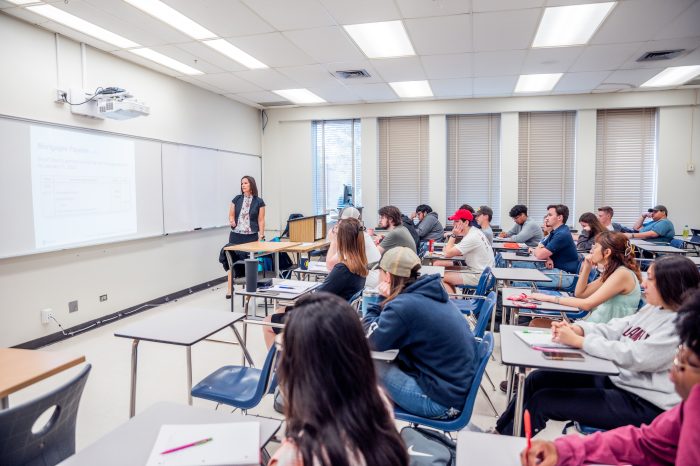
point(680, 363)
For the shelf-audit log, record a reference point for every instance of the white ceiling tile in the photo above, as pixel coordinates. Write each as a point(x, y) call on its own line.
point(452, 87)
point(326, 44)
point(399, 69)
point(550, 3)
point(494, 86)
point(689, 44)
point(638, 20)
point(374, 92)
point(187, 58)
point(243, 100)
point(227, 18)
point(210, 55)
point(228, 83)
point(78, 36)
point(335, 94)
point(496, 5)
point(448, 66)
point(355, 65)
point(631, 77)
point(261, 97)
point(687, 24)
point(274, 50)
point(146, 63)
point(604, 57)
point(268, 79)
point(576, 82)
point(361, 11)
point(285, 15)
point(550, 60)
point(500, 63)
point(310, 75)
point(441, 34)
point(195, 82)
point(421, 8)
point(505, 30)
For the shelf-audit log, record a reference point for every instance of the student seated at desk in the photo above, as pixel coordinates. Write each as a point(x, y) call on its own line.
point(437, 351)
point(616, 292)
point(346, 278)
point(641, 345)
point(673, 438)
point(397, 235)
point(428, 226)
point(335, 412)
point(373, 254)
point(659, 230)
point(590, 228)
point(525, 229)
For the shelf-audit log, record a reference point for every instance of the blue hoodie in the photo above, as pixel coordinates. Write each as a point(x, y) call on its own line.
point(436, 346)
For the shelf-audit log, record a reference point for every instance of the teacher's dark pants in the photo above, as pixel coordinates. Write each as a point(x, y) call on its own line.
point(234, 239)
point(592, 400)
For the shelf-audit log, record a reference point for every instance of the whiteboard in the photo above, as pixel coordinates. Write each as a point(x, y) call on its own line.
point(199, 183)
point(19, 235)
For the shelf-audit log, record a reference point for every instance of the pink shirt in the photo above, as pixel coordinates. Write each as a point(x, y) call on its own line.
point(673, 438)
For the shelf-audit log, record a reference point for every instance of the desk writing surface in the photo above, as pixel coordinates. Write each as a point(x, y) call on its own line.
point(180, 326)
point(661, 248)
point(696, 260)
point(262, 246)
point(131, 442)
point(542, 306)
point(20, 368)
point(502, 247)
point(479, 448)
point(308, 247)
point(515, 352)
point(432, 270)
point(513, 257)
point(516, 274)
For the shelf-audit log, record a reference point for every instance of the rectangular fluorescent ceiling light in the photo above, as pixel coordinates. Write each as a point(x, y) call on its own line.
point(23, 2)
point(565, 26)
point(300, 96)
point(165, 61)
point(674, 76)
point(234, 53)
point(537, 82)
point(80, 25)
point(381, 40)
point(172, 17)
point(408, 89)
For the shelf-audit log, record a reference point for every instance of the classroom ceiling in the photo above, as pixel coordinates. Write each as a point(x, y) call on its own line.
point(464, 48)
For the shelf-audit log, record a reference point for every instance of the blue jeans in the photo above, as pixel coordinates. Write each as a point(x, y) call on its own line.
point(560, 280)
point(406, 393)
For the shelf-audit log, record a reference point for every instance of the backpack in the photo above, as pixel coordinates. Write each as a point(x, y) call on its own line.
point(427, 447)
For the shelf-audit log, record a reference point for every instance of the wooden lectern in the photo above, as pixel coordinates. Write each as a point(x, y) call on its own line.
point(307, 229)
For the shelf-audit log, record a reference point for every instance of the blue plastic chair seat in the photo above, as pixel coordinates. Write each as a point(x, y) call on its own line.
point(466, 306)
point(231, 385)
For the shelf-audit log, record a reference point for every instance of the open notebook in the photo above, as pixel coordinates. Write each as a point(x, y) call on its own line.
point(232, 444)
point(539, 338)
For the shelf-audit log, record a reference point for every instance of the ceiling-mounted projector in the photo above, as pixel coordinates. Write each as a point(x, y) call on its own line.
point(122, 109)
point(111, 102)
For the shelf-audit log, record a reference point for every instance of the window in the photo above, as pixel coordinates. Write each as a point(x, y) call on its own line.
point(625, 171)
point(546, 161)
point(403, 162)
point(336, 152)
point(473, 162)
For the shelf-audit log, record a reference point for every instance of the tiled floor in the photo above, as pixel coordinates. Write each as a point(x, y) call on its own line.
point(162, 372)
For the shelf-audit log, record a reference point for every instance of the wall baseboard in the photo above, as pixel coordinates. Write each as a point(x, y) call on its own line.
point(114, 317)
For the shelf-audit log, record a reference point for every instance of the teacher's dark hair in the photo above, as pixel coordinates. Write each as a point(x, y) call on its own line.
point(253, 185)
point(688, 322)
point(333, 407)
point(675, 275)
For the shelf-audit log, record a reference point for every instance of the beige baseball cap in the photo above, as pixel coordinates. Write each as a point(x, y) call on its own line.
point(350, 212)
point(399, 261)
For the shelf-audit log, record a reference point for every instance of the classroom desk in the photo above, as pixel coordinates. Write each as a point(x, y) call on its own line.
point(317, 269)
point(277, 296)
point(306, 248)
point(506, 275)
point(517, 309)
point(510, 257)
point(261, 248)
point(655, 249)
point(695, 259)
point(131, 442)
point(500, 246)
point(182, 327)
point(640, 242)
point(431, 270)
point(435, 256)
point(20, 368)
point(515, 353)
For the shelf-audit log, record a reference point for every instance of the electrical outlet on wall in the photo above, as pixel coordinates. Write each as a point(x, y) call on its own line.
point(690, 168)
point(103, 298)
point(46, 315)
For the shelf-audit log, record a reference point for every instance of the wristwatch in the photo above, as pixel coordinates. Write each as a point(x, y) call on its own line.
point(453, 236)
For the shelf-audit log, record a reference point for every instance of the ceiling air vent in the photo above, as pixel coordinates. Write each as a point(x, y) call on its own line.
point(660, 55)
point(352, 74)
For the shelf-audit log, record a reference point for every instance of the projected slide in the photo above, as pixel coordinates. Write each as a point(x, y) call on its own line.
point(83, 187)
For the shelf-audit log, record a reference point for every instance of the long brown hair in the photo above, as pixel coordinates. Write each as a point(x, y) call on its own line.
point(253, 185)
point(351, 246)
point(621, 253)
point(399, 284)
point(333, 407)
point(592, 220)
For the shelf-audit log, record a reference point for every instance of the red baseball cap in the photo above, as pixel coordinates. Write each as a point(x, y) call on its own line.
point(462, 214)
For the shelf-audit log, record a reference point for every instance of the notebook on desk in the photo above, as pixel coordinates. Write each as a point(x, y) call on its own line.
point(539, 339)
point(231, 444)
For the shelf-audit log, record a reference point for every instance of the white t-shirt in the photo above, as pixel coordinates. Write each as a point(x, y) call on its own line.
point(373, 254)
point(476, 250)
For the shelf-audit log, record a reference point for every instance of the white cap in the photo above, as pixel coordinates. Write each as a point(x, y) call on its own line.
point(350, 212)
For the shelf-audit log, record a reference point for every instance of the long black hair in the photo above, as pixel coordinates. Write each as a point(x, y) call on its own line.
point(674, 276)
point(688, 323)
point(333, 407)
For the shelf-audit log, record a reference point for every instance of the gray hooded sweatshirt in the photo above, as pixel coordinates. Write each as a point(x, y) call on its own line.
point(430, 227)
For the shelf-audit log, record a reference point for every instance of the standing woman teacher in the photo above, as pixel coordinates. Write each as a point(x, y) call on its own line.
point(247, 218)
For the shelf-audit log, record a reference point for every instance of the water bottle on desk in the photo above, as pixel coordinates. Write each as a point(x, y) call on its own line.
point(686, 232)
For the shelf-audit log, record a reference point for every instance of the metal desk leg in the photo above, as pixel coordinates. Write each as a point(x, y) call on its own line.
point(277, 264)
point(189, 375)
point(134, 362)
point(230, 270)
point(4, 402)
point(241, 341)
point(509, 382)
point(518, 419)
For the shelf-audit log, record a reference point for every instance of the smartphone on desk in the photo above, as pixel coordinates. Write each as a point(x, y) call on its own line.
point(563, 356)
point(522, 253)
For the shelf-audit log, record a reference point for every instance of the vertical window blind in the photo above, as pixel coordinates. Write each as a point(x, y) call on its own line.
point(473, 162)
point(336, 153)
point(403, 162)
point(546, 161)
point(625, 174)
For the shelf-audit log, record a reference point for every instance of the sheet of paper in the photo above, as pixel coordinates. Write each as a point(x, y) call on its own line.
point(540, 338)
point(235, 443)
